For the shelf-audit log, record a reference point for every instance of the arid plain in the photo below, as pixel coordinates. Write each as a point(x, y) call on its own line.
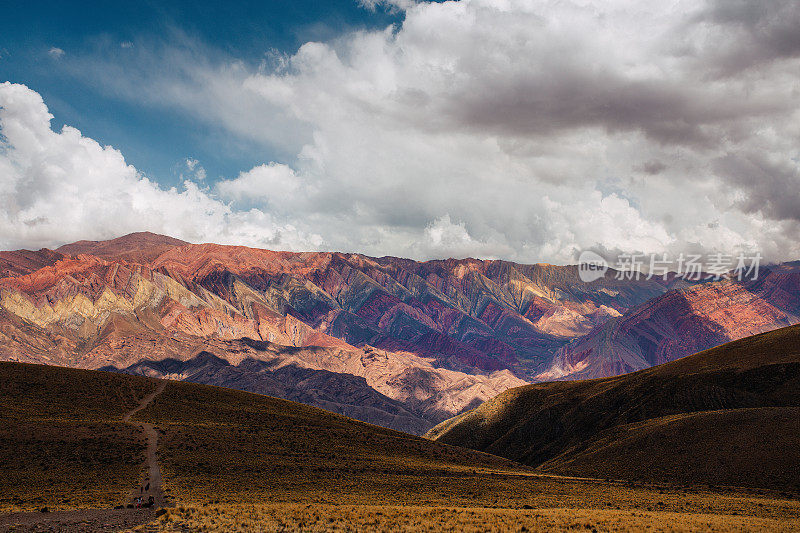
point(237, 461)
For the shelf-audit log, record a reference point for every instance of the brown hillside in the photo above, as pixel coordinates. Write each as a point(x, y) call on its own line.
point(734, 407)
point(232, 460)
point(62, 441)
point(730, 447)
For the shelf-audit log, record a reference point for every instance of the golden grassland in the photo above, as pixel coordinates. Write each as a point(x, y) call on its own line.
point(389, 518)
point(234, 461)
point(67, 465)
point(726, 416)
point(231, 446)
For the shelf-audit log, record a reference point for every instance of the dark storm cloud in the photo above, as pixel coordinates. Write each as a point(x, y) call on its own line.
point(771, 188)
point(751, 33)
point(549, 87)
point(652, 167)
point(681, 112)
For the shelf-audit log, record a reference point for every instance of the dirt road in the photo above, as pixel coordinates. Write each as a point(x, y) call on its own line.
point(152, 482)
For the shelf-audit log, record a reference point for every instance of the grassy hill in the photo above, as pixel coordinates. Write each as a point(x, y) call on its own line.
point(254, 445)
point(729, 415)
point(64, 444)
point(233, 460)
point(62, 441)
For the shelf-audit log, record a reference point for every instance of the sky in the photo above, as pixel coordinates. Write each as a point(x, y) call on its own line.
point(528, 130)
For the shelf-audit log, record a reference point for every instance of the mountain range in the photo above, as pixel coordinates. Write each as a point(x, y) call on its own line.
point(391, 341)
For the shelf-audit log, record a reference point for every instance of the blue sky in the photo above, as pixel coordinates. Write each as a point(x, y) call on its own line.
point(529, 130)
point(156, 140)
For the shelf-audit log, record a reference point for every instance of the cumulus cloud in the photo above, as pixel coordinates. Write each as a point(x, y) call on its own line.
point(56, 53)
point(445, 238)
point(275, 184)
point(522, 129)
point(58, 187)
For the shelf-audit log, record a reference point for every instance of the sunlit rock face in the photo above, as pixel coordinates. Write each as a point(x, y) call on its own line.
point(683, 322)
point(466, 315)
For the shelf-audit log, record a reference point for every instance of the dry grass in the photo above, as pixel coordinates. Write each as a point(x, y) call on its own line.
point(318, 518)
point(67, 465)
point(223, 457)
point(225, 454)
point(735, 445)
point(256, 447)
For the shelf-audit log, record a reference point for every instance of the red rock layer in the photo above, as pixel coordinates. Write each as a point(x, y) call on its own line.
point(681, 323)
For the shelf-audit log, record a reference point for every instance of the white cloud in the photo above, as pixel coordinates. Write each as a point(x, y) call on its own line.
point(527, 129)
point(445, 238)
point(58, 187)
point(56, 53)
point(275, 184)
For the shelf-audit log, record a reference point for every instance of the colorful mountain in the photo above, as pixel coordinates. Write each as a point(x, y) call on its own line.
point(387, 340)
point(682, 322)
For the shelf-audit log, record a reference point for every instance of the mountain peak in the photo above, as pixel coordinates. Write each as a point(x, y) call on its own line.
point(138, 246)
